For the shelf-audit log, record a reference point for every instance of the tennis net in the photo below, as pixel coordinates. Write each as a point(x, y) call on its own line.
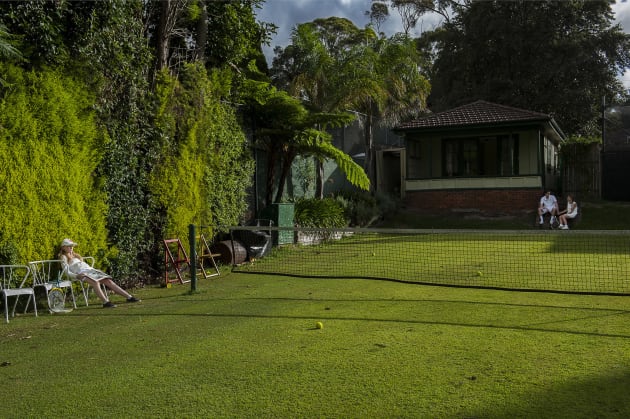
point(592, 262)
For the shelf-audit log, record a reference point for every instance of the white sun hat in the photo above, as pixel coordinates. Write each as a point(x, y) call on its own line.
point(68, 242)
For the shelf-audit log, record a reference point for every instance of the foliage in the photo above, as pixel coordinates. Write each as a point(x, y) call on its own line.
point(9, 254)
point(363, 209)
point(110, 52)
point(50, 148)
point(411, 11)
point(284, 129)
point(325, 213)
point(36, 24)
point(304, 172)
point(8, 50)
point(579, 139)
point(205, 166)
point(335, 66)
point(235, 36)
point(554, 57)
point(107, 45)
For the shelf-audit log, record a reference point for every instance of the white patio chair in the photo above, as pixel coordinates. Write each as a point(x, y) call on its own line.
point(14, 283)
point(48, 274)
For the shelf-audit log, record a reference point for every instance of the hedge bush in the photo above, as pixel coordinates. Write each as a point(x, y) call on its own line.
point(49, 149)
point(205, 166)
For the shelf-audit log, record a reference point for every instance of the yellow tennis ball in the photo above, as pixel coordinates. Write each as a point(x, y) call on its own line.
point(319, 325)
point(479, 273)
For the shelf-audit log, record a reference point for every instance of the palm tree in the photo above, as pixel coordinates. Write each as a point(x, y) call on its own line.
point(285, 130)
point(7, 50)
point(382, 81)
point(336, 66)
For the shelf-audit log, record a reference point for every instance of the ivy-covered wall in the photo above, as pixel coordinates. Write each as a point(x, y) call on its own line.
point(52, 151)
point(206, 165)
point(49, 149)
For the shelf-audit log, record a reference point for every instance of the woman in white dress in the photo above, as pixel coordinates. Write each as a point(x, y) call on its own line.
point(75, 266)
point(570, 212)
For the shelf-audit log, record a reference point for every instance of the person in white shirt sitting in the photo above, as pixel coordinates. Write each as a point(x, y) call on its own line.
point(548, 204)
point(569, 213)
point(76, 267)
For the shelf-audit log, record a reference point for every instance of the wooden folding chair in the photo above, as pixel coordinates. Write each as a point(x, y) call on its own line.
point(176, 262)
point(205, 255)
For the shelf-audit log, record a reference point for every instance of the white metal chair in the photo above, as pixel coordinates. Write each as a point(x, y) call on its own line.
point(48, 274)
point(14, 283)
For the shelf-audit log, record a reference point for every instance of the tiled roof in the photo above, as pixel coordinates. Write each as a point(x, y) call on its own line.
point(476, 113)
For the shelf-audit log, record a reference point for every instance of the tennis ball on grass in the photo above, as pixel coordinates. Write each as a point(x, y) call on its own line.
point(479, 273)
point(319, 325)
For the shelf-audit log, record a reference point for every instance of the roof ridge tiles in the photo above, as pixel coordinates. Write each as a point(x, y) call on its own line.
point(475, 113)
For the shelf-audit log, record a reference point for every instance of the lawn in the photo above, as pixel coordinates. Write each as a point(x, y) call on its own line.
point(246, 346)
point(584, 261)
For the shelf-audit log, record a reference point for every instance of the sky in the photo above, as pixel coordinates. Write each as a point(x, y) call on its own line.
point(286, 14)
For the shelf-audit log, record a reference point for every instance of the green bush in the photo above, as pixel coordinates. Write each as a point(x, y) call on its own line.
point(363, 209)
point(324, 213)
point(49, 150)
point(205, 166)
point(8, 253)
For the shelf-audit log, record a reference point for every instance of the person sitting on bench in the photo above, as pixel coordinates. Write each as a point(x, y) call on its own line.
point(569, 213)
point(548, 204)
point(75, 265)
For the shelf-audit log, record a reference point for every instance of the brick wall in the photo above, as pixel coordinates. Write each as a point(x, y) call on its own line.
point(491, 202)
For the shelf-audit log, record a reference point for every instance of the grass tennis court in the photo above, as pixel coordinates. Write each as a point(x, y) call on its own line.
point(559, 261)
point(246, 346)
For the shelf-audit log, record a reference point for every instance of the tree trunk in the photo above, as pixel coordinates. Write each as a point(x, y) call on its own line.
point(271, 168)
point(284, 174)
point(163, 36)
point(169, 11)
point(319, 179)
point(202, 34)
point(368, 165)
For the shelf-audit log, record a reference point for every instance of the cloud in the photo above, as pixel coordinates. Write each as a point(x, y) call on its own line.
point(287, 14)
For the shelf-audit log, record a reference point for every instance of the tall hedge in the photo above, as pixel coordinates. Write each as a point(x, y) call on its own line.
point(206, 166)
point(49, 150)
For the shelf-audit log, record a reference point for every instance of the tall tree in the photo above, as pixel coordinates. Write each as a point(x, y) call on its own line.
point(335, 66)
point(384, 83)
point(411, 11)
point(548, 56)
point(169, 13)
point(286, 129)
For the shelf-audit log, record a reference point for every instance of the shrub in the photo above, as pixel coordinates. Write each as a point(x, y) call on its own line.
point(205, 166)
point(324, 213)
point(363, 209)
point(50, 147)
point(8, 253)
